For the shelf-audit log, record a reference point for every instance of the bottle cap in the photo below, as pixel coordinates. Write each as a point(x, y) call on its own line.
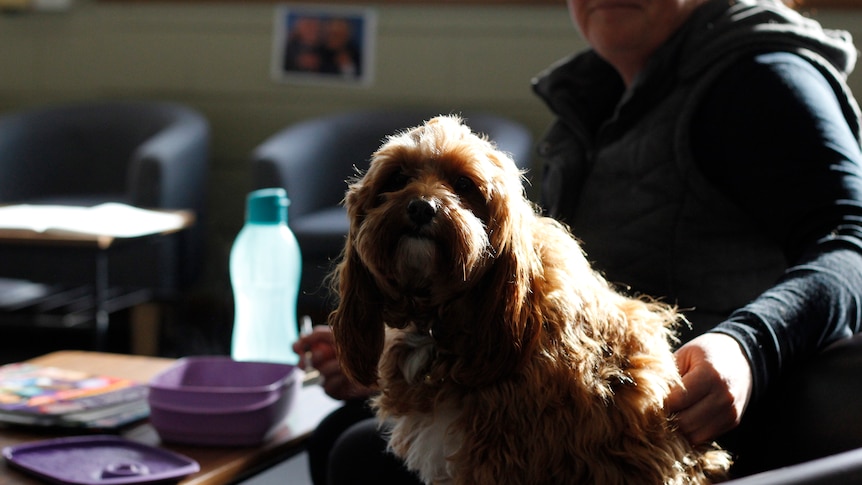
point(267, 206)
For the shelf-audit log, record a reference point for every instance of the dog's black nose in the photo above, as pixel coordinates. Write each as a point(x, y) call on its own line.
point(421, 211)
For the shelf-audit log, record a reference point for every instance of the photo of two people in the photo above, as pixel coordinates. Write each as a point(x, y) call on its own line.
point(323, 45)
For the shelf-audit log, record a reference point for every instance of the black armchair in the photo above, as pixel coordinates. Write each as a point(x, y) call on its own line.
point(313, 159)
point(152, 155)
point(147, 154)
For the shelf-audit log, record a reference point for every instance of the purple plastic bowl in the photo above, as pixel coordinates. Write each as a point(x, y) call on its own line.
point(220, 401)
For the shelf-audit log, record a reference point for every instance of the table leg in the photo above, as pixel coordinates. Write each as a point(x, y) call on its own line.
point(101, 303)
point(146, 325)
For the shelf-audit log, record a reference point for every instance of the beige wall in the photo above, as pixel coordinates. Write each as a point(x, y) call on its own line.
point(215, 57)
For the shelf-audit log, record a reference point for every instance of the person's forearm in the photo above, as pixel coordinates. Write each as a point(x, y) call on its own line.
point(814, 304)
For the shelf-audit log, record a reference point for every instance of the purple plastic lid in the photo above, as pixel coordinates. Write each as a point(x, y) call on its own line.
point(99, 460)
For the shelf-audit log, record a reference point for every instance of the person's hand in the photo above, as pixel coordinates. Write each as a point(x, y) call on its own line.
point(321, 344)
point(716, 387)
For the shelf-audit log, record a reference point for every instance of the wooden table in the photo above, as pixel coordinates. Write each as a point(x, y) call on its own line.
point(144, 319)
point(219, 465)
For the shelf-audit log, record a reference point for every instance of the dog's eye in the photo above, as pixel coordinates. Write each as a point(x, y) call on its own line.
point(463, 185)
point(396, 181)
point(393, 183)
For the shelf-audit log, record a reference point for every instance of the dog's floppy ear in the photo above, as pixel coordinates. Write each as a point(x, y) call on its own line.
point(506, 314)
point(357, 323)
point(501, 308)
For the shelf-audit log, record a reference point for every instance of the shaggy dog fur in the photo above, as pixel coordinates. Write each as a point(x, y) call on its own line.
point(500, 355)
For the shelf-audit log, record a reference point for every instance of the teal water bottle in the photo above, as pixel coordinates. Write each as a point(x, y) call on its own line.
point(265, 267)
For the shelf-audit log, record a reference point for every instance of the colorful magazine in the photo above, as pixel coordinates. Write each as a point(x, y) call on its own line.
point(51, 396)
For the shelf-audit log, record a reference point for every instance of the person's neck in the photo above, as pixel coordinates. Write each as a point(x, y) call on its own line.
point(627, 65)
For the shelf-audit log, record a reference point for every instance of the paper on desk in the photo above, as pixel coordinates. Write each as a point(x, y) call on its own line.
point(110, 219)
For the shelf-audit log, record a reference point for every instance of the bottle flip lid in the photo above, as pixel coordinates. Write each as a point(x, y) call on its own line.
point(267, 206)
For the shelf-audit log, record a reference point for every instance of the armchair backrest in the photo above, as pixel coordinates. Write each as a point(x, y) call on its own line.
point(100, 151)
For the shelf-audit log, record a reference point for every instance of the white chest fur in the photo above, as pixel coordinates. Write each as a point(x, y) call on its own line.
point(431, 439)
point(424, 440)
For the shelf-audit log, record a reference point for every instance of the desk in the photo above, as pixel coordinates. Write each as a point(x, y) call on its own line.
point(219, 465)
point(98, 247)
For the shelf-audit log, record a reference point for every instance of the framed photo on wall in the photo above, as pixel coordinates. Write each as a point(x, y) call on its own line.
point(324, 44)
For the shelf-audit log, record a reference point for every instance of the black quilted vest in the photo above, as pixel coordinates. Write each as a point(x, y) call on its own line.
point(618, 167)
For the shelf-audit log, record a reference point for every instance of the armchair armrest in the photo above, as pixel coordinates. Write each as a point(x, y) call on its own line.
point(168, 169)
